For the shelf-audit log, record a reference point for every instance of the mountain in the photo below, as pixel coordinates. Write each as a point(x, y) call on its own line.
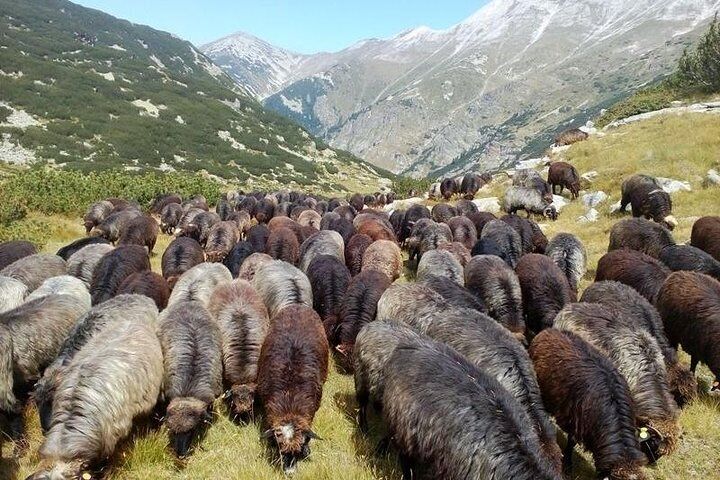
point(489, 90)
point(81, 89)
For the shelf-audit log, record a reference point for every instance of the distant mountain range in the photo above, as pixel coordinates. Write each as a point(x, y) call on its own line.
point(479, 95)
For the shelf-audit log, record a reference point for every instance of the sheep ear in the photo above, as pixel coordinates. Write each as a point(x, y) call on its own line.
point(342, 349)
point(269, 433)
point(313, 435)
point(715, 386)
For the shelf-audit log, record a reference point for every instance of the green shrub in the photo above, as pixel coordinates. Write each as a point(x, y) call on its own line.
point(700, 68)
point(4, 113)
point(30, 229)
point(403, 185)
point(647, 100)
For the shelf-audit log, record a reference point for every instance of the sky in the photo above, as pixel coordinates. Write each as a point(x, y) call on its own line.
point(305, 26)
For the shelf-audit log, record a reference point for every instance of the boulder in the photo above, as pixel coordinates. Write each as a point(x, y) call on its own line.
point(559, 202)
point(488, 204)
point(593, 199)
point(713, 178)
point(671, 186)
point(592, 215)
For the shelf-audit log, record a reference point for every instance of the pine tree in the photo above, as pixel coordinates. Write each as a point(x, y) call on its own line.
point(701, 68)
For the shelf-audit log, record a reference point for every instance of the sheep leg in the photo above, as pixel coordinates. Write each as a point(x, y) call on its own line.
point(363, 416)
point(406, 466)
point(567, 456)
point(694, 363)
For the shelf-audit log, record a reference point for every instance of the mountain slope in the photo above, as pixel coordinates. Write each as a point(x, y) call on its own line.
point(84, 90)
point(493, 87)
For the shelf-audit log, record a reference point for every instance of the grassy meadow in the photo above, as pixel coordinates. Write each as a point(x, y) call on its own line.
point(679, 147)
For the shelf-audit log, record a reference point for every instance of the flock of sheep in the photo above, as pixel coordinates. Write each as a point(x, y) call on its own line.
point(467, 365)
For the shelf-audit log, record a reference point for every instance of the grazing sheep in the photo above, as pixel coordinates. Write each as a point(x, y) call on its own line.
point(281, 284)
point(433, 192)
point(35, 269)
point(471, 184)
point(149, 284)
point(181, 255)
point(569, 254)
point(524, 228)
point(62, 285)
point(448, 188)
point(113, 268)
point(282, 244)
point(252, 264)
point(333, 221)
point(545, 290)
point(346, 211)
point(479, 219)
point(170, 217)
point(539, 240)
point(648, 200)
point(413, 214)
point(426, 396)
point(309, 218)
point(324, 242)
point(358, 308)
point(641, 235)
point(222, 237)
point(354, 251)
point(638, 357)
point(506, 238)
point(96, 213)
point(689, 304)
point(234, 260)
point(14, 250)
point(590, 401)
point(426, 236)
point(329, 279)
point(187, 219)
point(529, 178)
point(82, 263)
point(112, 228)
point(530, 200)
point(465, 208)
point(291, 390)
point(568, 137)
point(458, 250)
point(249, 205)
point(633, 268)
point(357, 202)
point(685, 257)
point(69, 250)
point(12, 293)
point(286, 222)
point(442, 212)
point(375, 228)
point(142, 230)
point(463, 231)
point(258, 236)
point(454, 293)
point(383, 256)
point(114, 378)
point(198, 201)
point(199, 282)
point(200, 227)
point(498, 287)
point(190, 341)
point(440, 263)
point(705, 236)
point(243, 321)
point(564, 175)
point(265, 210)
point(242, 221)
point(162, 200)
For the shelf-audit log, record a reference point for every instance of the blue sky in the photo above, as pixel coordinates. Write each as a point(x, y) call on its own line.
point(306, 26)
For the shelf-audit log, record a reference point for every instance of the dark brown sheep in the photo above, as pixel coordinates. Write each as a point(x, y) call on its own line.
point(222, 237)
point(252, 264)
point(377, 230)
point(564, 175)
point(641, 235)
point(258, 236)
point(96, 213)
point(163, 200)
point(413, 214)
point(706, 236)
point(459, 251)
point(149, 284)
point(448, 188)
point(480, 219)
point(633, 268)
point(354, 251)
point(68, 250)
point(142, 230)
point(114, 225)
point(463, 231)
point(691, 259)
point(524, 228)
point(180, 256)
point(286, 222)
point(329, 279)
point(442, 212)
point(471, 183)
point(648, 200)
point(170, 217)
point(113, 268)
point(15, 250)
point(568, 137)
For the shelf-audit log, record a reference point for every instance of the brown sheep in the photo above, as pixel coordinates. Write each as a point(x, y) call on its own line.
point(463, 231)
point(282, 244)
point(149, 284)
point(564, 175)
point(142, 230)
point(354, 251)
point(376, 230)
point(221, 239)
point(383, 256)
point(252, 264)
point(641, 235)
point(181, 255)
point(635, 269)
point(568, 137)
point(15, 250)
point(706, 236)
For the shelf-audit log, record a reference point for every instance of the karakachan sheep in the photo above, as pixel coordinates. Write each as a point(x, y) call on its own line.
point(62, 285)
point(440, 263)
point(488, 246)
point(638, 357)
point(324, 242)
point(641, 235)
point(198, 201)
point(648, 200)
point(471, 183)
point(375, 228)
point(357, 201)
point(170, 217)
point(243, 321)
point(285, 222)
point(82, 263)
point(114, 225)
point(329, 279)
point(120, 204)
point(180, 256)
point(528, 232)
point(309, 218)
point(222, 237)
point(188, 217)
point(199, 282)
point(590, 401)
point(149, 284)
point(413, 214)
point(383, 256)
point(242, 221)
point(497, 285)
point(257, 236)
point(465, 208)
point(426, 236)
point(113, 379)
point(190, 341)
point(346, 211)
point(142, 230)
point(458, 251)
point(15, 250)
point(463, 231)
point(224, 209)
point(479, 219)
point(35, 269)
point(12, 293)
point(448, 188)
point(413, 303)
point(633, 268)
point(545, 290)
point(433, 192)
point(252, 264)
point(358, 308)
point(162, 200)
point(30, 337)
point(281, 284)
point(427, 392)
point(706, 236)
point(96, 213)
point(506, 238)
point(291, 390)
point(529, 178)
point(116, 311)
point(454, 293)
point(69, 250)
point(688, 258)
point(234, 260)
point(564, 175)
point(530, 200)
point(442, 212)
point(570, 136)
point(282, 244)
point(569, 254)
point(265, 210)
point(249, 205)
point(369, 215)
point(200, 227)
point(114, 267)
point(539, 240)
point(637, 313)
point(339, 224)
point(689, 304)
point(354, 251)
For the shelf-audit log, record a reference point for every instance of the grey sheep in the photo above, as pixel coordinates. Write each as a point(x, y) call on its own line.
point(506, 238)
point(529, 199)
point(62, 285)
point(96, 213)
point(12, 293)
point(440, 263)
point(324, 242)
point(35, 269)
point(383, 256)
point(113, 226)
point(568, 253)
point(199, 282)
point(252, 264)
point(281, 284)
point(82, 263)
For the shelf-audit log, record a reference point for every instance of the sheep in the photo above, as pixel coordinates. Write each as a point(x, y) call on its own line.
point(689, 304)
point(116, 311)
point(112, 228)
point(570, 136)
point(114, 378)
point(425, 401)
point(96, 213)
point(530, 200)
point(290, 391)
point(309, 218)
point(113, 268)
point(324, 242)
point(149, 284)
point(471, 183)
point(82, 263)
point(383, 256)
point(199, 282)
point(479, 219)
point(705, 235)
point(222, 237)
point(564, 175)
point(440, 263)
point(120, 204)
point(454, 293)
point(329, 279)
point(354, 251)
point(285, 222)
point(252, 264)
point(258, 236)
point(62, 285)
point(142, 230)
point(358, 308)
point(281, 284)
point(190, 342)
point(433, 192)
point(633, 268)
point(187, 218)
point(590, 401)
point(357, 201)
point(200, 227)
point(569, 254)
point(524, 228)
point(648, 200)
point(638, 357)
point(637, 313)
point(333, 221)
point(463, 231)
point(498, 287)
point(35, 269)
point(641, 235)
point(529, 178)
point(346, 211)
point(181, 255)
point(539, 240)
point(12, 293)
point(163, 200)
point(442, 212)
point(242, 221)
point(198, 201)
point(282, 244)
point(264, 210)
point(375, 228)
point(234, 260)
point(15, 250)
point(69, 250)
point(448, 188)
point(458, 251)
point(243, 321)
point(506, 238)
point(31, 335)
point(413, 214)
point(686, 257)
point(249, 205)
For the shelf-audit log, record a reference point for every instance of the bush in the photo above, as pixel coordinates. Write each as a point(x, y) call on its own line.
point(646, 100)
point(700, 68)
point(403, 185)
